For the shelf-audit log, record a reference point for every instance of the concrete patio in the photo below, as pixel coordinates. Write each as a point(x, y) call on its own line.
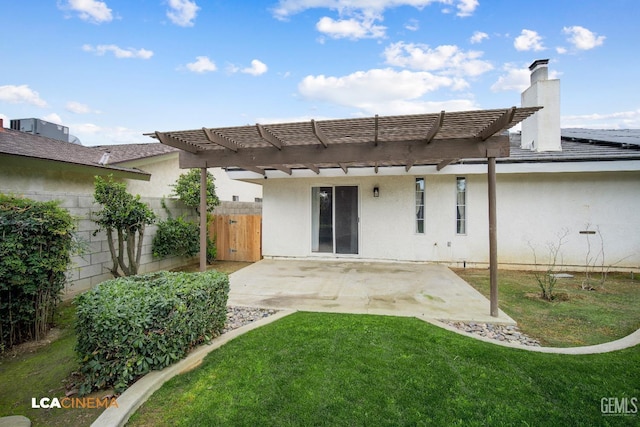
point(343, 286)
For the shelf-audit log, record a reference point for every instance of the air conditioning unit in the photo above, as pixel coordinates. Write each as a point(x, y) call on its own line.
point(42, 128)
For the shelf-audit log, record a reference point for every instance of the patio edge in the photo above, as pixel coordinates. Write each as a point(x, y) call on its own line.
point(630, 340)
point(141, 390)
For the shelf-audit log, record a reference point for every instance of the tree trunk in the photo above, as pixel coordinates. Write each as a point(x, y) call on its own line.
point(114, 256)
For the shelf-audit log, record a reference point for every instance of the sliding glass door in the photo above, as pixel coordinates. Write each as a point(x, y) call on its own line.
point(334, 219)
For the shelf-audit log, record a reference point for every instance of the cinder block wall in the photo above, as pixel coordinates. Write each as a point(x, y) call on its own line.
point(95, 264)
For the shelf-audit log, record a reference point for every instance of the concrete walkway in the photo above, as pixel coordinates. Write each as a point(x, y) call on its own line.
point(343, 286)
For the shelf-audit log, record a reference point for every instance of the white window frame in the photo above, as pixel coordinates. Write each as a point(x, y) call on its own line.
point(461, 206)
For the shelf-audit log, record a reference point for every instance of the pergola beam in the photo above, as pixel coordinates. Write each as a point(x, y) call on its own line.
point(375, 136)
point(344, 167)
point(443, 164)
point(319, 134)
point(390, 152)
point(497, 125)
point(172, 141)
point(269, 137)
point(313, 168)
point(283, 169)
point(409, 165)
point(435, 128)
point(221, 140)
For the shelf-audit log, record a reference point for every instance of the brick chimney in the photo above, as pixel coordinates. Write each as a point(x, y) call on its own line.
point(541, 132)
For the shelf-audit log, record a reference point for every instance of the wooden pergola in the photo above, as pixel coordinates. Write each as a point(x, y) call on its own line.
point(380, 141)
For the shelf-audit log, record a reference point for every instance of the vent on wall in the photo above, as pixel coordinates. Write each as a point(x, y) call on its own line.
point(42, 128)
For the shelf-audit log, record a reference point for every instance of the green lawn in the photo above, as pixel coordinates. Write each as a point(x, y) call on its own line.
point(41, 373)
point(578, 318)
point(340, 369)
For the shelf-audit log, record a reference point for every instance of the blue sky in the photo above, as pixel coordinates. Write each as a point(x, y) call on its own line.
point(112, 70)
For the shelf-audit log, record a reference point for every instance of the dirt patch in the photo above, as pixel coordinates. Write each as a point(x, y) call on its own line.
point(33, 346)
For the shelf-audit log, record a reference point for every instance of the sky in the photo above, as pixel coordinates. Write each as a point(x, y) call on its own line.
point(112, 70)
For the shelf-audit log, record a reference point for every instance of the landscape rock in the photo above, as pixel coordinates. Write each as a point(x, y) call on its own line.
point(508, 333)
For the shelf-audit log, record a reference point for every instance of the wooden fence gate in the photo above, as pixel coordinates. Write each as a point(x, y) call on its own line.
point(238, 237)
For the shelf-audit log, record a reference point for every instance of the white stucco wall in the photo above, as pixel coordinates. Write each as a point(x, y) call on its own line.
point(165, 171)
point(532, 210)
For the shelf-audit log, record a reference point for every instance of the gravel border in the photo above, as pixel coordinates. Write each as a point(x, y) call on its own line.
point(504, 333)
point(238, 316)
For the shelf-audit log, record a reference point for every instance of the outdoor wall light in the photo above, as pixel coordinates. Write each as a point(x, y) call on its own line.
point(376, 192)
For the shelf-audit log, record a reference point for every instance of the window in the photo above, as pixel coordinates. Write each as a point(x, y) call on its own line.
point(461, 205)
point(258, 199)
point(235, 198)
point(420, 205)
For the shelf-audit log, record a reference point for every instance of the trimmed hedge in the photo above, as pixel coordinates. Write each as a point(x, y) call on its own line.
point(129, 326)
point(36, 243)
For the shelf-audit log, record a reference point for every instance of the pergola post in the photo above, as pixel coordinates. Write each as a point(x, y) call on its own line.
point(493, 239)
point(203, 219)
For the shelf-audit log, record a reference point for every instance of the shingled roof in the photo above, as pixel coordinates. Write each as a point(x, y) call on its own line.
point(26, 145)
point(122, 153)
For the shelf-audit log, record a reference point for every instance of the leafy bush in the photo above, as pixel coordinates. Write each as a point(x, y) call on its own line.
point(129, 326)
point(175, 236)
point(36, 242)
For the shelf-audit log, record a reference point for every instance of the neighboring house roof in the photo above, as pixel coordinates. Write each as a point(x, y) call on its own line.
point(26, 145)
point(122, 153)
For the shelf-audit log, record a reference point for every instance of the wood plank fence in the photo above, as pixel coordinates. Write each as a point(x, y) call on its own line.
point(238, 237)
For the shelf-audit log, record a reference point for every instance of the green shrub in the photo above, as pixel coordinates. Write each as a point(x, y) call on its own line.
point(36, 241)
point(175, 236)
point(129, 326)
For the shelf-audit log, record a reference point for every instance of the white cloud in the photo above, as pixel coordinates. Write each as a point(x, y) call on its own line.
point(78, 108)
point(515, 78)
point(561, 50)
point(447, 59)
point(358, 18)
point(288, 8)
point(182, 12)
point(615, 120)
point(202, 65)
point(118, 52)
point(88, 10)
point(377, 90)
point(583, 39)
point(412, 25)
point(350, 28)
point(22, 94)
point(466, 7)
point(92, 134)
point(478, 37)
point(53, 118)
point(257, 68)
point(528, 40)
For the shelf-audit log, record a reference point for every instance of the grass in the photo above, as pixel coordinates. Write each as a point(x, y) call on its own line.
point(347, 358)
point(578, 318)
point(341, 369)
point(40, 371)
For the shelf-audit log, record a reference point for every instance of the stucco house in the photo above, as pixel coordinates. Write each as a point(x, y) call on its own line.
point(551, 190)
